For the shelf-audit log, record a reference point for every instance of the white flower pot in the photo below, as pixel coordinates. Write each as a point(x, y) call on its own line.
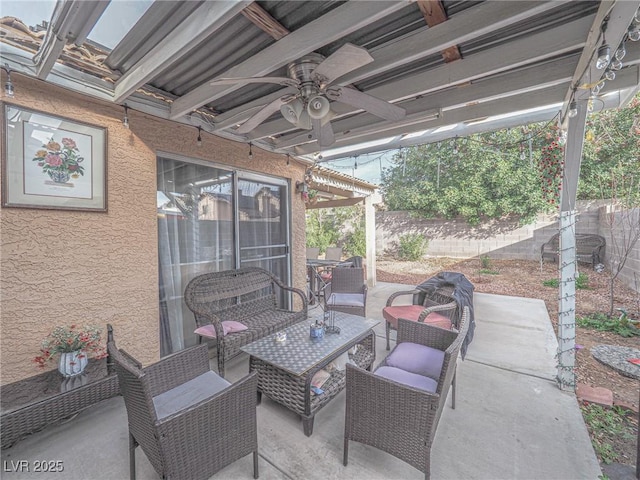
point(72, 363)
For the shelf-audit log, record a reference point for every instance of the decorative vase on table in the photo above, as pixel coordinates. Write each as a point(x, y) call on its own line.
point(72, 363)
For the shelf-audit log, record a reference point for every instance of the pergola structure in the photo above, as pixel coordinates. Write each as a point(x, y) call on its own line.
point(449, 67)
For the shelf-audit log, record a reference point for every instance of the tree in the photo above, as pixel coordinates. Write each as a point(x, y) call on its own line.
point(484, 176)
point(611, 151)
point(343, 226)
point(623, 224)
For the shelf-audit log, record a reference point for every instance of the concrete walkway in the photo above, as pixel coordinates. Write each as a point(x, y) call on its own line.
point(510, 421)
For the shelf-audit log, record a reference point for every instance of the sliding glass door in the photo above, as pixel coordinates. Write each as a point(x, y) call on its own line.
point(263, 226)
point(212, 219)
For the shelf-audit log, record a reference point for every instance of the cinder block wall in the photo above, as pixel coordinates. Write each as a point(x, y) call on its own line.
point(501, 238)
point(505, 238)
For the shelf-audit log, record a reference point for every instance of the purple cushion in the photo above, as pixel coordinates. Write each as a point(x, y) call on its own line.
point(418, 359)
point(408, 378)
point(228, 326)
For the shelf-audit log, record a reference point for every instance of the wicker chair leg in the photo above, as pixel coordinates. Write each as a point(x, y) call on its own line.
point(345, 456)
point(427, 463)
point(388, 331)
point(255, 464)
point(132, 457)
point(453, 391)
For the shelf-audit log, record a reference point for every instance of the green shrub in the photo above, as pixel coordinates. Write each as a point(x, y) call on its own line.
point(582, 282)
point(355, 243)
point(485, 262)
point(599, 321)
point(412, 246)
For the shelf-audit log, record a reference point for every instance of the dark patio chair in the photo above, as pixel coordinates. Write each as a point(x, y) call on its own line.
point(189, 421)
point(397, 407)
point(436, 308)
point(347, 291)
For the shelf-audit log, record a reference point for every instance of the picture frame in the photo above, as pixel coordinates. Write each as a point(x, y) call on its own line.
point(52, 162)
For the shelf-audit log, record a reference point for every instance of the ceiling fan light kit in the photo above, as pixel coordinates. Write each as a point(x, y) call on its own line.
point(310, 107)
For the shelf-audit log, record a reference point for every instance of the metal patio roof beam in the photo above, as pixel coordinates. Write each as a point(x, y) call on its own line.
point(514, 83)
point(479, 64)
point(627, 78)
point(332, 26)
point(518, 53)
point(72, 20)
point(468, 25)
point(205, 20)
point(620, 15)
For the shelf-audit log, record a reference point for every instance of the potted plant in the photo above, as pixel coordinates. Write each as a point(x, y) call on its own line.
point(75, 346)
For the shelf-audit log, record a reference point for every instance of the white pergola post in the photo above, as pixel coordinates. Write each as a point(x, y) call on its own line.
point(370, 236)
point(567, 264)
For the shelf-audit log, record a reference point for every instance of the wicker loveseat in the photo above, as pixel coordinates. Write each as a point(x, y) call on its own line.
point(589, 248)
point(246, 295)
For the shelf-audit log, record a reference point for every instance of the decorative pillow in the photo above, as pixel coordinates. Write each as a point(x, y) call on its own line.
point(418, 359)
point(228, 326)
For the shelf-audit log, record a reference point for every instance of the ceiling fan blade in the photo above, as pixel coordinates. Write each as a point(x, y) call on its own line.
point(263, 114)
point(344, 60)
point(374, 105)
point(287, 82)
point(323, 133)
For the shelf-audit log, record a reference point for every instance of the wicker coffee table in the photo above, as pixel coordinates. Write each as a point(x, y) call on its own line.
point(285, 369)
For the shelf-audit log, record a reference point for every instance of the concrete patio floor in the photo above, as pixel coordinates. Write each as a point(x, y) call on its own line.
point(510, 421)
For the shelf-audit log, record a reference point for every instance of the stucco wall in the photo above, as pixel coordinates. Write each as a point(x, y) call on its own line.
point(621, 230)
point(62, 267)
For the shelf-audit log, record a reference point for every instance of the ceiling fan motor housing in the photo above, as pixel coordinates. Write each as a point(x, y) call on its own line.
point(302, 71)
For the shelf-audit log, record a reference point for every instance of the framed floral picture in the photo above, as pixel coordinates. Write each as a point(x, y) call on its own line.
point(52, 162)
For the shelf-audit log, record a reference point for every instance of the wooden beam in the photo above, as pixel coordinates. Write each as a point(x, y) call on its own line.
point(261, 19)
point(434, 14)
point(345, 202)
point(339, 22)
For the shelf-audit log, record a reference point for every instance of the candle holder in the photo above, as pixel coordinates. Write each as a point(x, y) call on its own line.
point(330, 322)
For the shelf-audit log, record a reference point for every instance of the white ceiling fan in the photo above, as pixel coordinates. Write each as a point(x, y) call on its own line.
point(310, 107)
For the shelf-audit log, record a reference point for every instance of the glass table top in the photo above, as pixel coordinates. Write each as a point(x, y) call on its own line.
point(299, 352)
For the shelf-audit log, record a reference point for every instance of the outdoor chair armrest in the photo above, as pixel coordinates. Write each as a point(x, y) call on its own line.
point(425, 334)
point(230, 410)
point(300, 293)
point(177, 369)
point(397, 294)
point(437, 308)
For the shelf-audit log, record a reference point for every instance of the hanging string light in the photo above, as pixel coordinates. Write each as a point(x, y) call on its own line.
point(125, 119)
point(288, 159)
point(250, 151)
point(199, 140)
point(8, 86)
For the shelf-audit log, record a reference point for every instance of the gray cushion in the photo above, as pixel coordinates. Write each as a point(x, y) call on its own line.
point(408, 378)
point(188, 394)
point(415, 358)
point(346, 299)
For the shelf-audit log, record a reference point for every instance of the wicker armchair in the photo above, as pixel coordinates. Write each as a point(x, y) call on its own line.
point(397, 418)
point(189, 421)
point(347, 291)
point(438, 308)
